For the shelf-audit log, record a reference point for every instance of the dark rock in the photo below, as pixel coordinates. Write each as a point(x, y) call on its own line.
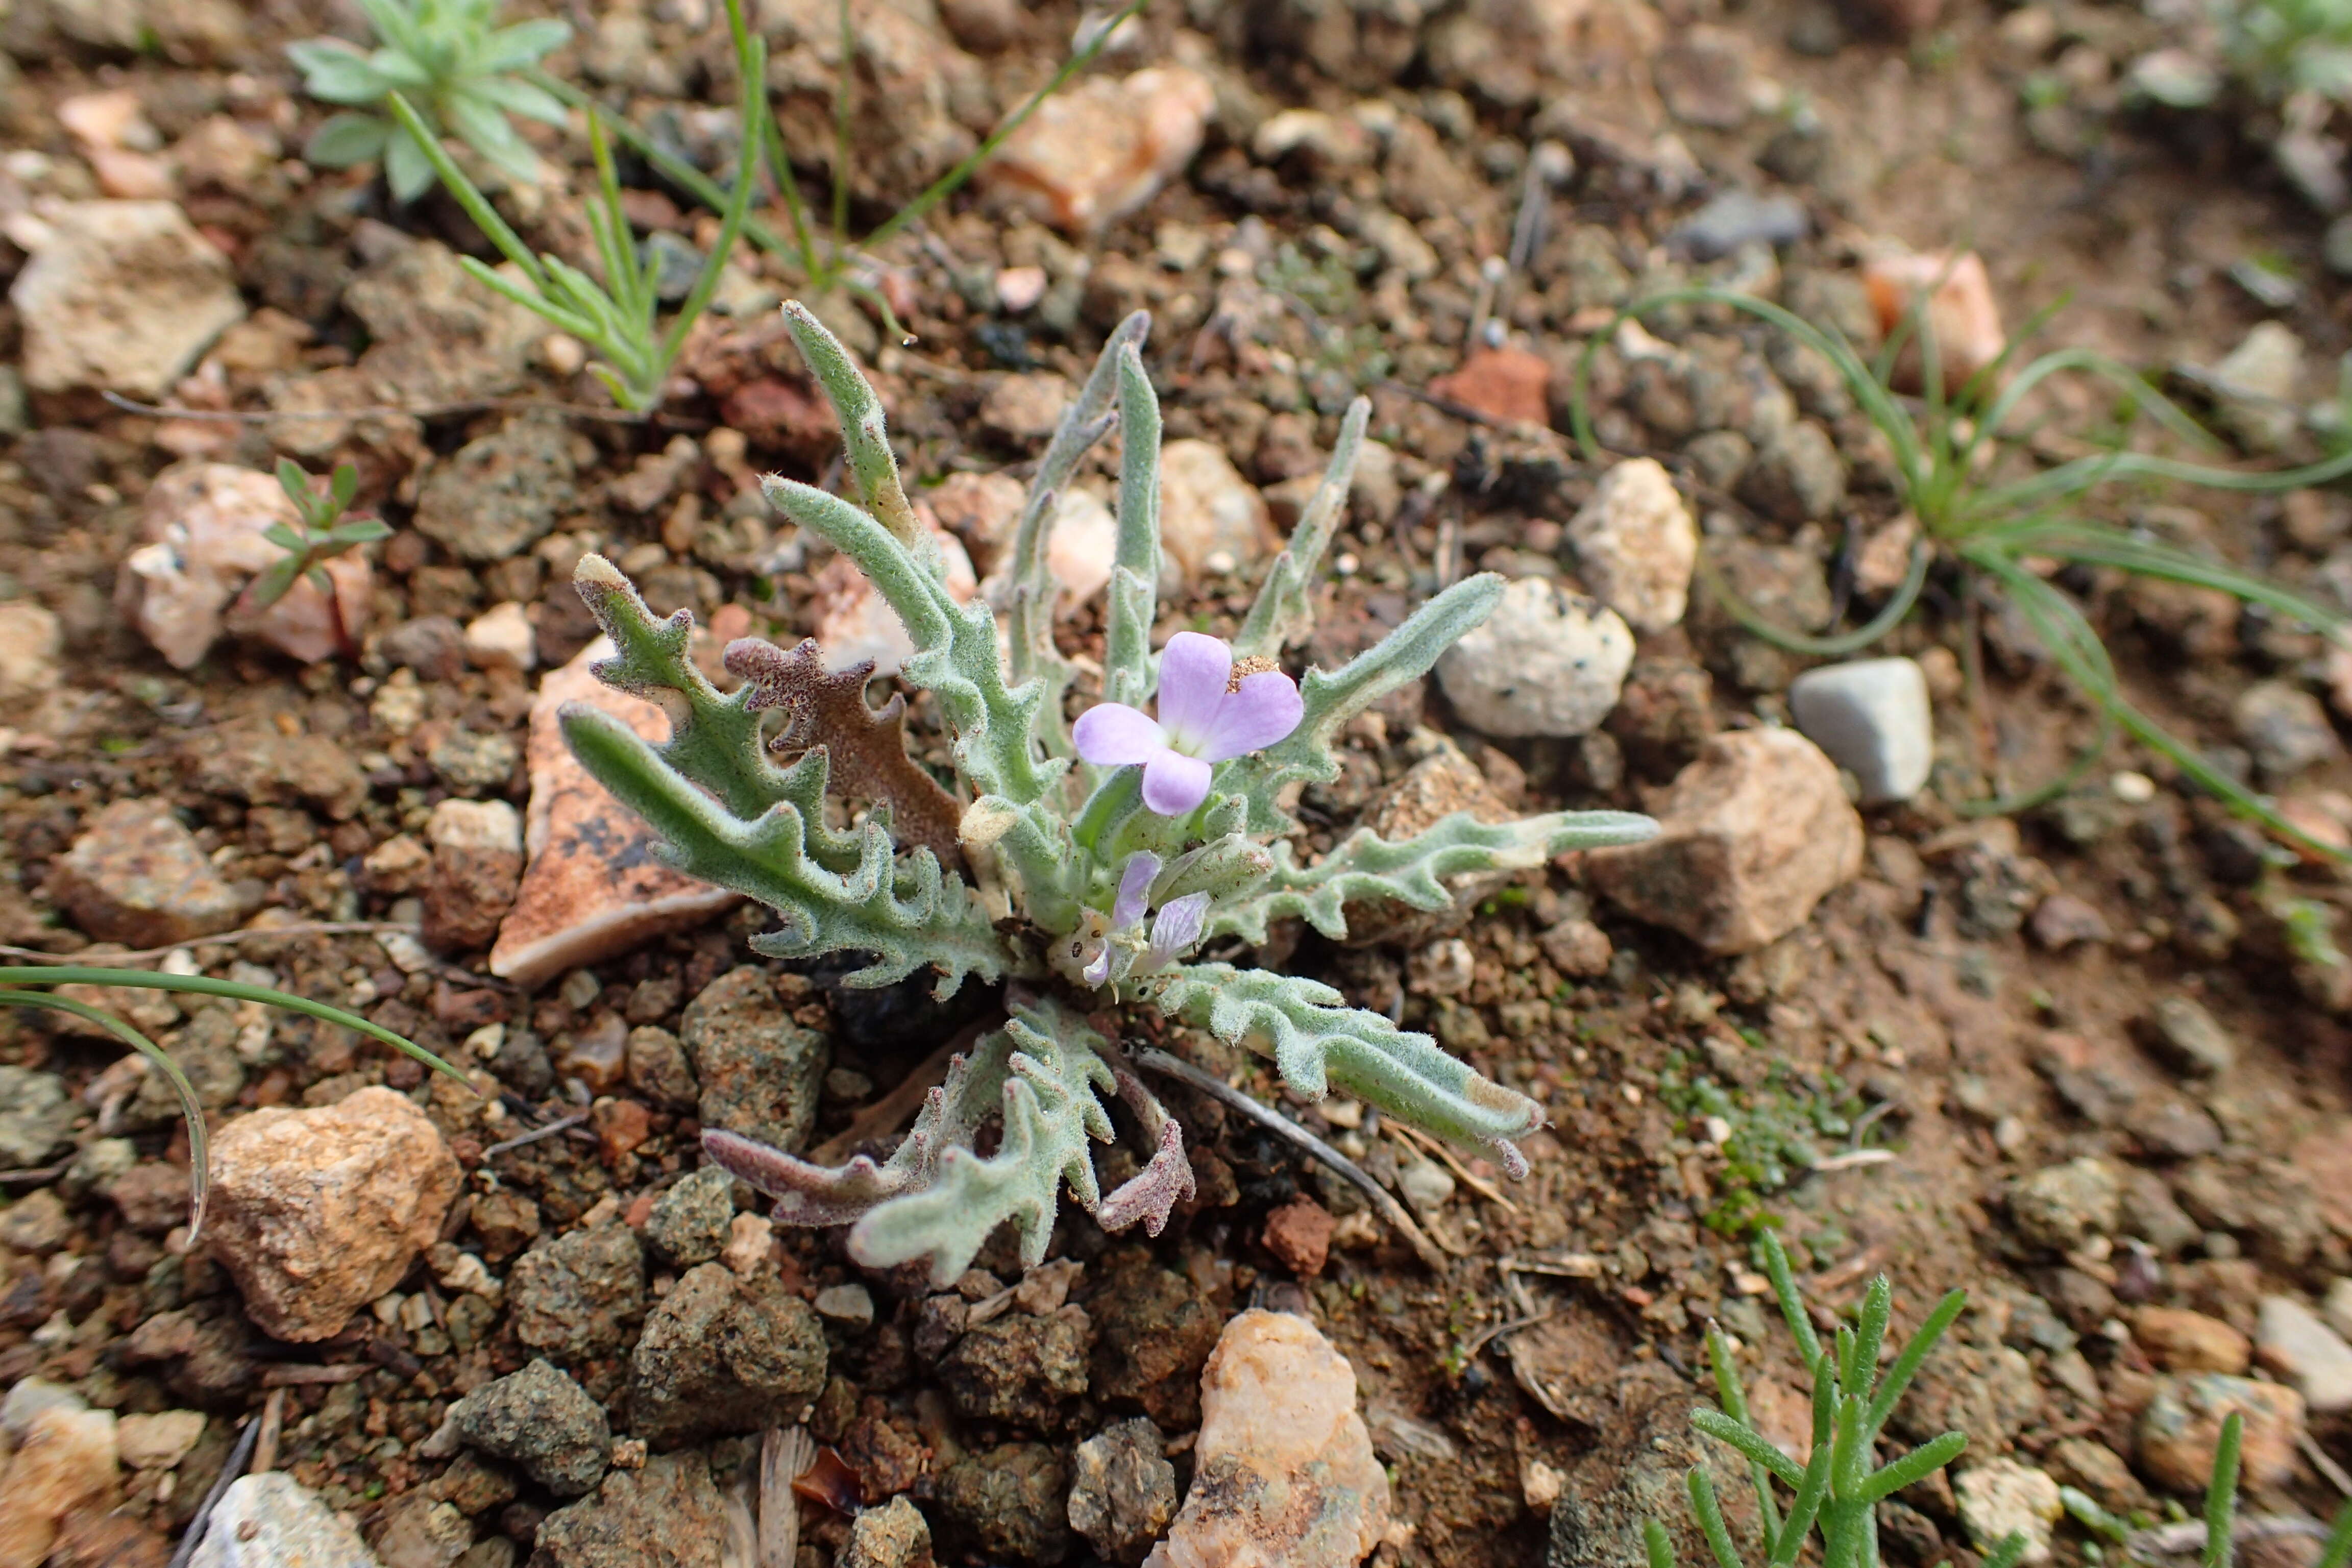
point(667, 1515)
point(1018, 1368)
point(1123, 1489)
point(1741, 218)
point(690, 1223)
point(1153, 1334)
point(1988, 1393)
point(500, 493)
point(2266, 1203)
point(1797, 475)
point(1008, 1501)
point(432, 646)
point(761, 1075)
point(207, 1051)
point(506, 1220)
point(659, 1068)
point(1637, 1473)
point(253, 761)
point(522, 1066)
point(2189, 1038)
point(580, 1295)
point(542, 1421)
point(723, 1355)
point(2285, 728)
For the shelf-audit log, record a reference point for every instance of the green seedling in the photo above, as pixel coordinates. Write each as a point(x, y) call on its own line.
point(319, 533)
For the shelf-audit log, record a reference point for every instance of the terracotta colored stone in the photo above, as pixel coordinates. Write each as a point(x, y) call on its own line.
point(317, 1213)
point(593, 887)
point(1962, 312)
point(1104, 147)
point(2181, 1426)
point(2180, 1341)
point(64, 1462)
point(1507, 385)
point(1299, 1233)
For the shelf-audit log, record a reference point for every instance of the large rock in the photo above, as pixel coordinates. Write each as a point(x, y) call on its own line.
point(272, 1520)
point(1008, 1502)
point(135, 876)
point(761, 1074)
point(1546, 662)
point(542, 1421)
point(65, 1462)
point(2180, 1428)
point(593, 887)
point(667, 1515)
point(1104, 147)
point(121, 295)
point(721, 1355)
point(1636, 545)
point(1751, 836)
point(317, 1213)
point(1283, 1471)
point(204, 524)
point(1872, 717)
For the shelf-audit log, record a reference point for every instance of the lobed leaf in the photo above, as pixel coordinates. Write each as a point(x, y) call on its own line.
point(1365, 868)
point(1314, 1042)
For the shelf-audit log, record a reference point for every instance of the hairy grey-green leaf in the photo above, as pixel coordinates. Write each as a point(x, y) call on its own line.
point(1135, 564)
point(1366, 869)
point(1316, 1041)
point(907, 913)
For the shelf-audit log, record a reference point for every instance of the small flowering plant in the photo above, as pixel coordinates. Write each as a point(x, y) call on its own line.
point(1078, 866)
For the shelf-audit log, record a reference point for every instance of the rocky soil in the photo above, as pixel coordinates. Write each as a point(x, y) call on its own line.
point(2087, 1061)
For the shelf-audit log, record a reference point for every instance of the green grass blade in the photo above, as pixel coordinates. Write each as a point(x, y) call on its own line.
point(1870, 1333)
point(752, 65)
point(205, 986)
point(2008, 1553)
point(1734, 1400)
point(2093, 545)
point(2221, 1492)
point(2338, 1550)
point(468, 196)
point(199, 1140)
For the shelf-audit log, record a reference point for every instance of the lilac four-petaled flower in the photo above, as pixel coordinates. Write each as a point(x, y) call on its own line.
point(1174, 928)
point(1201, 722)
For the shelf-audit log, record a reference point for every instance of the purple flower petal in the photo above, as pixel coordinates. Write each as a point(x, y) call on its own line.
point(1173, 783)
point(1112, 734)
point(1134, 889)
point(1267, 707)
point(1099, 970)
point(1193, 670)
point(1176, 928)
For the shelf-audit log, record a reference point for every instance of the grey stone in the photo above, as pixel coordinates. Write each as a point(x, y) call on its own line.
point(2292, 1340)
point(36, 1114)
point(272, 1520)
point(500, 493)
point(1008, 1501)
point(2285, 728)
point(667, 1514)
point(761, 1074)
point(1019, 1367)
point(1741, 218)
point(438, 335)
point(659, 1068)
point(2191, 1038)
point(2061, 1206)
point(895, 1535)
point(2256, 383)
point(1872, 717)
point(580, 1295)
point(1999, 1496)
point(1123, 1489)
point(723, 1355)
point(690, 1221)
point(1797, 475)
point(1546, 662)
point(542, 1421)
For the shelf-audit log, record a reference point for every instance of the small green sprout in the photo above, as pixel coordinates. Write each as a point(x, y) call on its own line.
point(450, 58)
point(617, 317)
point(319, 533)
